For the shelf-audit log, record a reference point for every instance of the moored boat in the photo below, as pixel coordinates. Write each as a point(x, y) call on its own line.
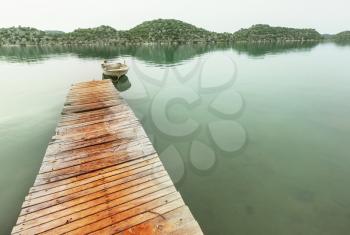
point(114, 69)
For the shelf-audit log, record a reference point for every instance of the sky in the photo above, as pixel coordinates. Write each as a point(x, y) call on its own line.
point(215, 15)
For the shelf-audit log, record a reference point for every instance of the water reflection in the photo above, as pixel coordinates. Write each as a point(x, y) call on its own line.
point(191, 114)
point(343, 43)
point(158, 55)
point(260, 49)
point(121, 84)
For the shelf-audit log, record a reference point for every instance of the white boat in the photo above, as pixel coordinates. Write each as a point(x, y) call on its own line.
point(114, 69)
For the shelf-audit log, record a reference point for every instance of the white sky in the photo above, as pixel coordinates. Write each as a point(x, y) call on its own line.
point(216, 15)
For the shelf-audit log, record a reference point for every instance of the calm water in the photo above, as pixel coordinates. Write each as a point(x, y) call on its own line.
point(256, 137)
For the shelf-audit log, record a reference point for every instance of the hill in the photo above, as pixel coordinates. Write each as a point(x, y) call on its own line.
point(160, 31)
point(167, 31)
point(266, 33)
point(22, 36)
point(99, 35)
point(342, 37)
point(170, 31)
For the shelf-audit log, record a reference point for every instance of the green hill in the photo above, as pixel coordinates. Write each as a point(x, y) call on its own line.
point(167, 31)
point(342, 37)
point(170, 31)
point(21, 36)
point(266, 33)
point(99, 35)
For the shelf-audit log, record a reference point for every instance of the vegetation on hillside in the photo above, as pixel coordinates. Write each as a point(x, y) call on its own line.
point(170, 31)
point(156, 31)
point(99, 35)
point(342, 37)
point(23, 36)
point(151, 32)
point(266, 33)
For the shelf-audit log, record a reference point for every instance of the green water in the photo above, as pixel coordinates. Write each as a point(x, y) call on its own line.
point(256, 137)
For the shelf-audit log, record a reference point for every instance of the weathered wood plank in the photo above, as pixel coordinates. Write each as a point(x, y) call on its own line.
point(148, 211)
point(90, 195)
point(94, 119)
point(179, 221)
point(99, 113)
point(96, 185)
point(91, 151)
point(116, 214)
point(100, 175)
point(92, 176)
point(140, 187)
point(54, 219)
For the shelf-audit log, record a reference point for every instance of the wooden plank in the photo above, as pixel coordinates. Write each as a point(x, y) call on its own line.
point(123, 152)
point(90, 107)
point(136, 189)
point(99, 113)
point(92, 151)
point(131, 154)
point(179, 221)
point(101, 175)
point(76, 170)
point(115, 127)
point(94, 186)
point(54, 219)
point(79, 186)
point(116, 214)
point(92, 176)
point(147, 212)
point(94, 119)
point(86, 195)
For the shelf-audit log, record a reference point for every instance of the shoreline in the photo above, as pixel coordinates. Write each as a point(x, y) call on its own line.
point(167, 43)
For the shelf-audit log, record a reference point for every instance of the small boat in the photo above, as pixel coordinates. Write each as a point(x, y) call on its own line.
point(114, 69)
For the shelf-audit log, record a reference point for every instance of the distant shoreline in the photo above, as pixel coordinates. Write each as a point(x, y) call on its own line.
point(164, 43)
point(161, 31)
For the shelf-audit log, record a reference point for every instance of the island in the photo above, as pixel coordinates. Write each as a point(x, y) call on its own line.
point(266, 33)
point(160, 31)
point(149, 32)
point(342, 37)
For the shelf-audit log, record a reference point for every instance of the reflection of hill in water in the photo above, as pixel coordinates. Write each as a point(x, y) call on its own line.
point(153, 54)
point(157, 54)
point(260, 49)
point(342, 43)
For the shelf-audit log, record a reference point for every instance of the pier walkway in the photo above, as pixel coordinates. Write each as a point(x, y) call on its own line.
point(101, 174)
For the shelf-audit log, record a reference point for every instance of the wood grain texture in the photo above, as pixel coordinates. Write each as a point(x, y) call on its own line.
point(101, 174)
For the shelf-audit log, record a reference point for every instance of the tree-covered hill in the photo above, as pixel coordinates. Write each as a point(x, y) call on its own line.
point(99, 35)
point(342, 37)
point(167, 31)
point(155, 31)
point(170, 31)
point(22, 36)
point(266, 33)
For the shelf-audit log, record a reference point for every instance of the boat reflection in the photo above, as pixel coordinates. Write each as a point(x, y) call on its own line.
point(121, 84)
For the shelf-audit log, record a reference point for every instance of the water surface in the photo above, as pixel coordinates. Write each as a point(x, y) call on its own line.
point(256, 137)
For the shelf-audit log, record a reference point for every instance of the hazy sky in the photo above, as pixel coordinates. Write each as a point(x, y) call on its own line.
point(216, 15)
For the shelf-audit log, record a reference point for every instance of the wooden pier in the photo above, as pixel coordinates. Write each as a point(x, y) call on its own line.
point(101, 174)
